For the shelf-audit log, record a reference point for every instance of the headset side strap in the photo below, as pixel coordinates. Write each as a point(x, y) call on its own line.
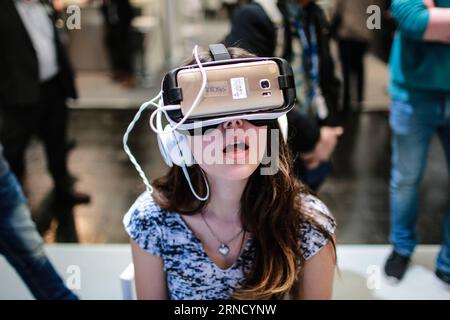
point(219, 52)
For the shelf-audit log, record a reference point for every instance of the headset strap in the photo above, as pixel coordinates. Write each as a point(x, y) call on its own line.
point(219, 52)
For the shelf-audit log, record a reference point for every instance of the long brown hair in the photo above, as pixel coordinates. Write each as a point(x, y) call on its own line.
point(271, 211)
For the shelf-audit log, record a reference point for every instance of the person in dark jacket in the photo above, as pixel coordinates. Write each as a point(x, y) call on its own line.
point(267, 28)
point(354, 38)
point(35, 81)
point(118, 15)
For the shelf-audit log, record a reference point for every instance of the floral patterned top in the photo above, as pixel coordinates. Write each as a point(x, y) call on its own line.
point(190, 273)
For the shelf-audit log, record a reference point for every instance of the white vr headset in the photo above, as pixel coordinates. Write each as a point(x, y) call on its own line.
point(201, 96)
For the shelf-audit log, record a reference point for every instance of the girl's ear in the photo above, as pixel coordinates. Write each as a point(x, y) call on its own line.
point(185, 150)
point(174, 148)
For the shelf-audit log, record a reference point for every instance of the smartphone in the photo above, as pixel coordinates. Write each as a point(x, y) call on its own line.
point(233, 88)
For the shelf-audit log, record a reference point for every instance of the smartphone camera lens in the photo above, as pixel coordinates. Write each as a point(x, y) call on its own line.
point(264, 84)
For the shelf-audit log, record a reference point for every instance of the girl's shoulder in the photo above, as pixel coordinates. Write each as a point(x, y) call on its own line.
point(316, 226)
point(146, 222)
point(145, 207)
point(315, 209)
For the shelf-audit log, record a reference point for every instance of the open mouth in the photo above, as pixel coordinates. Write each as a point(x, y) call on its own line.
point(236, 147)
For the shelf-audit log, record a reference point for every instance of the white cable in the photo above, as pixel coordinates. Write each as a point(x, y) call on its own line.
point(176, 107)
point(160, 130)
point(186, 174)
point(161, 109)
point(125, 141)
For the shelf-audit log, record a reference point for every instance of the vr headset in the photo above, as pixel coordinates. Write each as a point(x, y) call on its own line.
point(201, 96)
point(254, 89)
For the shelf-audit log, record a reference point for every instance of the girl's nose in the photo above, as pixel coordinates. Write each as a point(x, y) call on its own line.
point(232, 124)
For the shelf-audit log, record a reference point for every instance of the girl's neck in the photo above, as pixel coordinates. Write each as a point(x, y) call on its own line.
point(224, 203)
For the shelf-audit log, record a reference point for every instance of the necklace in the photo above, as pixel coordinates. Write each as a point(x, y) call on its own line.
point(223, 248)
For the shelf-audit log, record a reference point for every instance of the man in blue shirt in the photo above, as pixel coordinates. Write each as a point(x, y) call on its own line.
point(420, 92)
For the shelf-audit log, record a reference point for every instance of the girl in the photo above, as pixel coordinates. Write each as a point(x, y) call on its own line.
point(256, 237)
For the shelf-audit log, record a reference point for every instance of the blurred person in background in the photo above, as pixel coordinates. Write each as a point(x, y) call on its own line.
point(383, 38)
point(118, 15)
point(21, 244)
point(420, 93)
point(210, 8)
point(35, 81)
point(231, 5)
point(349, 23)
point(272, 28)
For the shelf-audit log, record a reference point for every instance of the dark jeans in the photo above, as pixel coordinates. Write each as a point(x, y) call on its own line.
point(120, 50)
point(118, 15)
point(316, 177)
point(47, 119)
point(22, 245)
point(351, 54)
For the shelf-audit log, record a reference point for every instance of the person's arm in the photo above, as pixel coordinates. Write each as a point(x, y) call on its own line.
point(149, 275)
point(438, 28)
point(316, 278)
point(421, 20)
point(323, 148)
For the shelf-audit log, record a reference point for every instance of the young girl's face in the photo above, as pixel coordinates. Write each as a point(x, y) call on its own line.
point(232, 151)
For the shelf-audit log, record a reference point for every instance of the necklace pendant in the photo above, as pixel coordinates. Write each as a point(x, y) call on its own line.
point(224, 249)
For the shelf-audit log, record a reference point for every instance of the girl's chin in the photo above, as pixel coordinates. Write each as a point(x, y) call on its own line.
point(232, 171)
